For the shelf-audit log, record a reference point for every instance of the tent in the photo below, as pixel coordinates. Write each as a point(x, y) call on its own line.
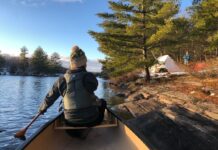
point(165, 64)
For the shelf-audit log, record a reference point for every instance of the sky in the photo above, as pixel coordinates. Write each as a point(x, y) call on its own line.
point(55, 25)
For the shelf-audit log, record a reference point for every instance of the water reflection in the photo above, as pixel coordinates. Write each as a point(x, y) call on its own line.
point(20, 98)
point(103, 91)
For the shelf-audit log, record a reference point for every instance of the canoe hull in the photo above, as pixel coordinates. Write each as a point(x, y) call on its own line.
point(116, 138)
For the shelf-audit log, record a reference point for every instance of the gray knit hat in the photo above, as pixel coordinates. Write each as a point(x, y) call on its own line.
point(77, 58)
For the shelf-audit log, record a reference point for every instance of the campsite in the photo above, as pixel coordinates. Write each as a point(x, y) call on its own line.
point(183, 107)
point(166, 66)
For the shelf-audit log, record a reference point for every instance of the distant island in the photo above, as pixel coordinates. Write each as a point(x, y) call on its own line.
point(40, 64)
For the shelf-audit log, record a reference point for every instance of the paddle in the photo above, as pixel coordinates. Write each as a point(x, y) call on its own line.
point(21, 134)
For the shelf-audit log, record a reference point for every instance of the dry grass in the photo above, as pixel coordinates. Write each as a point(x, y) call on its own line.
point(190, 85)
point(213, 83)
point(204, 75)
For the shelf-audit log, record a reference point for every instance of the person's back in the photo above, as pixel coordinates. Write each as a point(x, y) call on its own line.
point(81, 106)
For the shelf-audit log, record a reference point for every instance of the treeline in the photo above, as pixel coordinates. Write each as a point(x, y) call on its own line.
point(38, 64)
point(135, 33)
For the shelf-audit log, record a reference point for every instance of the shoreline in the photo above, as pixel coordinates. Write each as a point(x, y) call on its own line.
point(176, 107)
point(32, 75)
point(45, 75)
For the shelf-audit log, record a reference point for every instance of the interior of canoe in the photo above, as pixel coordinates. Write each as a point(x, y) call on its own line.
point(113, 135)
point(109, 121)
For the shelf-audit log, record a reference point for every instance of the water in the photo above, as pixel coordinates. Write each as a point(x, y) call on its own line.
point(20, 98)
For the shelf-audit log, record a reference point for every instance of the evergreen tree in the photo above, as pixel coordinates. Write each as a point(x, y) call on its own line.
point(195, 2)
point(104, 71)
point(2, 60)
point(179, 39)
point(39, 61)
point(54, 63)
point(24, 64)
point(13, 68)
point(204, 16)
point(135, 30)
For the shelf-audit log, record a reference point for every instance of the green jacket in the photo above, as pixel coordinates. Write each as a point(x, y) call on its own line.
point(80, 106)
point(77, 112)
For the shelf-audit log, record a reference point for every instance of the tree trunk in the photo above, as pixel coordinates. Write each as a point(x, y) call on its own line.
point(201, 55)
point(194, 57)
point(205, 56)
point(148, 76)
point(145, 56)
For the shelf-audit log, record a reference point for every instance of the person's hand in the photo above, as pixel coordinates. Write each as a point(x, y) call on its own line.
point(101, 102)
point(42, 111)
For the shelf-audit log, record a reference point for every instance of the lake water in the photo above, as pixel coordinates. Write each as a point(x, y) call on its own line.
point(20, 98)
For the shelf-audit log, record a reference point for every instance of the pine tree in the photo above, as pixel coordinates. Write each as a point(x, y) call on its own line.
point(23, 62)
point(135, 30)
point(2, 60)
point(179, 39)
point(204, 16)
point(196, 2)
point(54, 63)
point(39, 61)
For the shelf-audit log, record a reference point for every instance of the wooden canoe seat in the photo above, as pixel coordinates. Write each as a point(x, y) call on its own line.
point(109, 121)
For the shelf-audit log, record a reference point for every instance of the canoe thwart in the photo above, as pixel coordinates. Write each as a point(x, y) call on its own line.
point(109, 121)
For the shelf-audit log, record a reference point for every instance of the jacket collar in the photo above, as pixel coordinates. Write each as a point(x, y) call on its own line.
point(80, 69)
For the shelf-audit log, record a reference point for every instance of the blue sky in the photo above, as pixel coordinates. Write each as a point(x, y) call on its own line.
point(55, 25)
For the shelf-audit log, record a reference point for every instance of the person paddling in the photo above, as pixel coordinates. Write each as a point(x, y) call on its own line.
point(81, 106)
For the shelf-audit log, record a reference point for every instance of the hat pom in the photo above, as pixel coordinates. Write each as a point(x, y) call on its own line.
point(75, 48)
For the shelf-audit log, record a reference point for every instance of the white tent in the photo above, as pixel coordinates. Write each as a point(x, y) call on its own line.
point(167, 63)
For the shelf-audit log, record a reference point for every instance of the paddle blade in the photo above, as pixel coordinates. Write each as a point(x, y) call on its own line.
point(21, 134)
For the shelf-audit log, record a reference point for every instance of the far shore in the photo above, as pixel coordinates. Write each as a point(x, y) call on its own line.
point(97, 74)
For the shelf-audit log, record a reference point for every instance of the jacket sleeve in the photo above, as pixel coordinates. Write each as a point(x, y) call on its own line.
point(56, 91)
point(90, 83)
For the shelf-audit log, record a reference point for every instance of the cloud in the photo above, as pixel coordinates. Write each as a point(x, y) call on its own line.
point(92, 65)
point(30, 2)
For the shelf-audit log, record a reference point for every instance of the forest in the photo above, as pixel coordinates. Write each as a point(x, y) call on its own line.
point(38, 64)
point(136, 32)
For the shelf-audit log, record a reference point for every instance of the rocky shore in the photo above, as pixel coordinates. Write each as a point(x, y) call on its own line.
point(171, 113)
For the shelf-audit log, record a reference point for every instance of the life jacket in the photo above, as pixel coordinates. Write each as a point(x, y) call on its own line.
point(76, 96)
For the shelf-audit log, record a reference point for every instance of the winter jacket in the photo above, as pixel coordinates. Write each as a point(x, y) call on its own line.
point(79, 112)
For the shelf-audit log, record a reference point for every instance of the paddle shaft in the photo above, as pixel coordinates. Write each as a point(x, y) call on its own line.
point(34, 119)
point(21, 134)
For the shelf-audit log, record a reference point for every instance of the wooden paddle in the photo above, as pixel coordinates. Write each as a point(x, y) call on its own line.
point(21, 134)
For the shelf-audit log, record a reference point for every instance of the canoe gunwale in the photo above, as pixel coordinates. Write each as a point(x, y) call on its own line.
point(136, 132)
point(38, 132)
point(41, 129)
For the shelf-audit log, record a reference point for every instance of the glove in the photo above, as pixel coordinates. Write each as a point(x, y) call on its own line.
point(101, 102)
point(42, 109)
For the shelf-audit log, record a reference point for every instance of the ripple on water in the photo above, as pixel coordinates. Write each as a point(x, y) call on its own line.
point(20, 98)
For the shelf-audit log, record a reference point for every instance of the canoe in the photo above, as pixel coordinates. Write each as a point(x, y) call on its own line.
point(112, 134)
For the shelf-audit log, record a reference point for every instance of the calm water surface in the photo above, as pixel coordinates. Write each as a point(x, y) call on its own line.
point(20, 98)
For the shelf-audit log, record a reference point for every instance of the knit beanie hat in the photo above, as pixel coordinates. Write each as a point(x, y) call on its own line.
point(77, 58)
